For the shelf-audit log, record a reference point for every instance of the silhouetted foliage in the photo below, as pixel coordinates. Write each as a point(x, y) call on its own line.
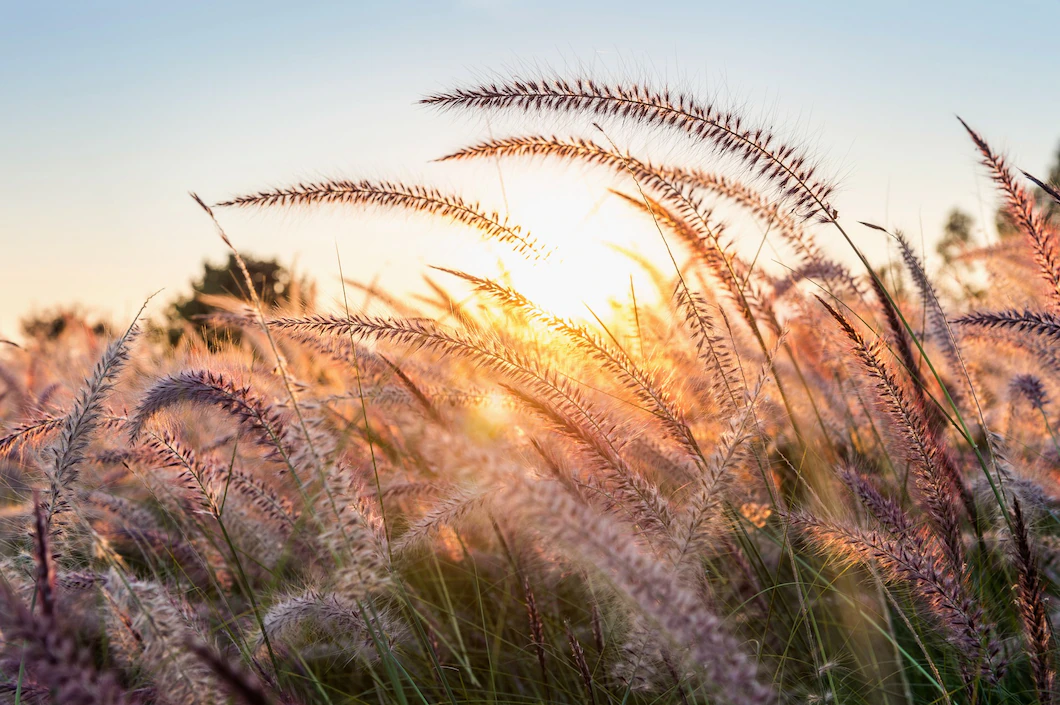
point(272, 282)
point(957, 234)
point(52, 323)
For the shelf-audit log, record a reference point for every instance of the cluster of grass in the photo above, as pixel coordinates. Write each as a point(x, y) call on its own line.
point(796, 487)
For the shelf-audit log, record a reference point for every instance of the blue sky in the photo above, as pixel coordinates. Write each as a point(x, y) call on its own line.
point(114, 111)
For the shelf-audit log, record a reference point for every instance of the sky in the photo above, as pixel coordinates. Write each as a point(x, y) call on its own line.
point(113, 112)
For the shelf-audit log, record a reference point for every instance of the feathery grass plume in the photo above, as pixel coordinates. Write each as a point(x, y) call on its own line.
point(927, 572)
point(908, 540)
point(1019, 204)
point(265, 498)
point(209, 388)
point(690, 220)
point(701, 509)
point(738, 280)
point(887, 512)
point(550, 395)
point(1030, 599)
point(27, 689)
point(673, 465)
point(162, 624)
point(716, 349)
point(82, 420)
point(194, 565)
point(829, 272)
point(359, 540)
point(671, 183)
point(938, 479)
point(387, 194)
point(537, 635)
point(633, 493)
point(52, 660)
point(30, 432)
point(196, 477)
point(126, 509)
point(642, 655)
point(45, 561)
point(550, 511)
point(319, 625)
point(1042, 324)
point(1048, 188)
point(240, 683)
point(44, 397)
point(1030, 388)
point(578, 654)
point(787, 171)
point(938, 327)
point(43, 653)
point(683, 213)
point(222, 492)
point(559, 466)
point(672, 191)
point(207, 480)
point(459, 504)
point(1037, 348)
point(901, 341)
point(771, 215)
point(614, 359)
point(79, 581)
point(422, 399)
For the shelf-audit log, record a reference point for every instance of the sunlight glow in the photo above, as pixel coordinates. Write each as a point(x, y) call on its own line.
point(585, 271)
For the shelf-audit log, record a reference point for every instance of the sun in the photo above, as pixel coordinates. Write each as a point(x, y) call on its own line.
point(586, 274)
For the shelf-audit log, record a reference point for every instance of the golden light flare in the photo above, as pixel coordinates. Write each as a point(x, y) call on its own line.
point(585, 271)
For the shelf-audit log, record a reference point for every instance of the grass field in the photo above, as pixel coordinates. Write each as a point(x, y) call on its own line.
point(819, 483)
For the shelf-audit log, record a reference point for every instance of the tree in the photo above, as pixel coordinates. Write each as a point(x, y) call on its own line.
point(272, 282)
point(51, 324)
point(957, 234)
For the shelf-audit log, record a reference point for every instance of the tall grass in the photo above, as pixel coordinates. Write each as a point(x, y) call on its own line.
point(769, 487)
